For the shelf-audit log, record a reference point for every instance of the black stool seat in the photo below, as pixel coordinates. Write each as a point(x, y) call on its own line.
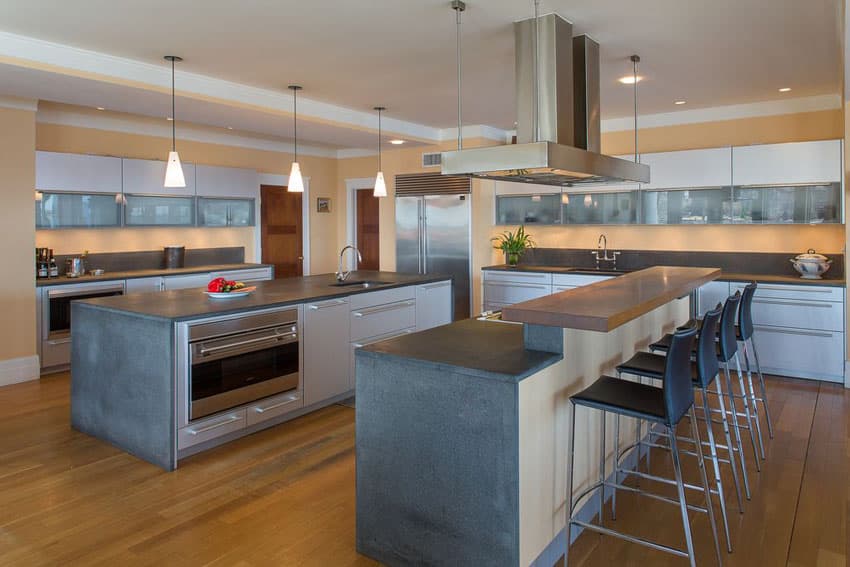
point(663, 345)
point(626, 398)
point(651, 366)
point(698, 324)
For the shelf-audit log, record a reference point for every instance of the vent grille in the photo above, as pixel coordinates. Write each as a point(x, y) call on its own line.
point(431, 184)
point(432, 159)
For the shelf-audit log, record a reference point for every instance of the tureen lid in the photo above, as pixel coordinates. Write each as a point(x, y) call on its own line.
point(811, 255)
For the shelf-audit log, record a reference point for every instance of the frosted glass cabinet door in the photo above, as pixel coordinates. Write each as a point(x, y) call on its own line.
point(225, 212)
point(70, 210)
point(159, 211)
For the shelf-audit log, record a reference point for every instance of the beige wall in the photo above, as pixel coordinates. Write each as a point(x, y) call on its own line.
point(320, 171)
point(17, 217)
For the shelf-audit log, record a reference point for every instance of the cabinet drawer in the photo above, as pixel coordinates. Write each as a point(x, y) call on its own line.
point(512, 292)
point(798, 314)
point(211, 428)
point(576, 280)
point(373, 298)
point(252, 275)
point(519, 277)
point(143, 285)
point(560, 288)
point(790, 291)
point(433, 305)
point(199, 281)
point(356, 345)
point(382, 319)
point(272, 407)
point(800, 353)
point(55, 352)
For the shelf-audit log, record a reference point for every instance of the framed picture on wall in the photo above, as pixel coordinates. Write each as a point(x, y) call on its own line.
point(323, 205)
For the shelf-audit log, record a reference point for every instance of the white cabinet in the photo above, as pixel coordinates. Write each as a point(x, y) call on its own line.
point(146, 177)
point(576, 280)
point(710, 167)
point(271, 407)
point(77, 172)
point(249, 275)
point(214, 181)
point(189, 281)
point(143, 285)
point(433, 305)
point(787, 164)
point(326, 345)
point(506, 288)
point(709, 295)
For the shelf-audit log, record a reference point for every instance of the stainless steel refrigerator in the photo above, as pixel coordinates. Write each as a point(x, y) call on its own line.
point(433, 237)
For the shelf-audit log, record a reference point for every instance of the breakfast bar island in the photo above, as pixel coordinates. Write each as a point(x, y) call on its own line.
point(462, 430)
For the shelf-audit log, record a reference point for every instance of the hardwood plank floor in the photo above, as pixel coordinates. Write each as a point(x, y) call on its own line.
point(285, 496)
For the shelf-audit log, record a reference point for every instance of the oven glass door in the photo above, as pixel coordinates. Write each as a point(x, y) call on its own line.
point(241, 377)
point(59, 320)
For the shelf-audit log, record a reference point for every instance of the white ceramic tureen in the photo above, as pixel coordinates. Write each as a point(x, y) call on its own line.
point(811, 265)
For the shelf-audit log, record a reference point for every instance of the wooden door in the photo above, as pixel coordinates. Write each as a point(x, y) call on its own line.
point(281, 230)
point(368, 229)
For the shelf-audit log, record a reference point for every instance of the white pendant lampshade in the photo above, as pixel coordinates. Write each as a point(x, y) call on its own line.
point(296, 182)
point(380, 186)
point(174, 171)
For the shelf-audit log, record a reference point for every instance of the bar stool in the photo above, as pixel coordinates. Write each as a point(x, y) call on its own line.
point(744, 333)
point(704, 370)
point(727, 349)
point(664, 406)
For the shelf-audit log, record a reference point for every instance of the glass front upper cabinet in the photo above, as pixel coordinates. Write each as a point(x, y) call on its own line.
point(599, 207)
point(77, 210)
point(795, 204)
point(528, 209)
point(144, 210)
point(712, 205)
point(225, 212)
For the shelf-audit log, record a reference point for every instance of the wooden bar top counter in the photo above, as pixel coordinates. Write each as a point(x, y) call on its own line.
point(606, 305)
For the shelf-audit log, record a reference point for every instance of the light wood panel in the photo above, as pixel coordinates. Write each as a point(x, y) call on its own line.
point(281, 230)
point(285, 496)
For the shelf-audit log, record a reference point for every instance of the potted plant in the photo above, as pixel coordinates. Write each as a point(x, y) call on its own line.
point(513, 244)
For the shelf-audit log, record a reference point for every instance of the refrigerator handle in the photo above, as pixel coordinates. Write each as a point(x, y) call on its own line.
point(424, 237)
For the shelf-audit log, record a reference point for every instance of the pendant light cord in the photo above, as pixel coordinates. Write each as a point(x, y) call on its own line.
point(295, 120)
point(173, 117)
point(635, 59)
point(458, 6)
point(380, 168)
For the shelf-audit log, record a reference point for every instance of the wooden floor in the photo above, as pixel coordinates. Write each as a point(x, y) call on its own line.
point(285, 496)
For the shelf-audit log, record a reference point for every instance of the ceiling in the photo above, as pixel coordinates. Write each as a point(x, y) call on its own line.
point(401, 53)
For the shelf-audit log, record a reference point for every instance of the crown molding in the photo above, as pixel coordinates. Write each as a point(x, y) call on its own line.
point(17, 103)
point(146, 127)
point(728, 112)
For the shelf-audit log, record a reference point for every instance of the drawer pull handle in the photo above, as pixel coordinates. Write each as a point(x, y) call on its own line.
point(793, 332)
point(794, 303)
point(436, 285)
point(382, 308)
point(801, 289)
point(529, 286)
point(317, 306)
point(287, 401)
point(206, 428)
point(383, 338)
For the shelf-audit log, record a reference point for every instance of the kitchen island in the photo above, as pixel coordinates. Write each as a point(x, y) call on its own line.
point(165, 375)
point(462, 430)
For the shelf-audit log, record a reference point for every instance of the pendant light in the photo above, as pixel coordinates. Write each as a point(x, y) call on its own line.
point(380, 186)
point(173, 171)
point(296, 182)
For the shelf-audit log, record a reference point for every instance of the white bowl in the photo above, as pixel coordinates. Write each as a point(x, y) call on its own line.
point(811, 269)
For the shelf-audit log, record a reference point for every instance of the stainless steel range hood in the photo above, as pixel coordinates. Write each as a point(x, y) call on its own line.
point(560, 147)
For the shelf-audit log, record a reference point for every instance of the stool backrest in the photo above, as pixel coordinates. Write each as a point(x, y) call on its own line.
point(745, 312)
point(707, 365)
point(678, 389)
point(728, 340)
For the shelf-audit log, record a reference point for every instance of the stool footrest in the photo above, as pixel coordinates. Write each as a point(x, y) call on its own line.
point(651, 544)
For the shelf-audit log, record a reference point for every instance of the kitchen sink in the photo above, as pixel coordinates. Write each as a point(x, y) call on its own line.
point(360, 283)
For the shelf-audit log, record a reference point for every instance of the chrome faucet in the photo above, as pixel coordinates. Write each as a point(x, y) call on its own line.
point(340, 275)
point(601, 252)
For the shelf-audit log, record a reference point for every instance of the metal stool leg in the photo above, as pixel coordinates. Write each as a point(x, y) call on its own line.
point(737, 429)
point(617, 464)
point(680, 488)
point(708, 505)
point(747, 414)
point(568, 511)
point(602, 469)
point(763, 387)
point(728, 436)
point(752, 394)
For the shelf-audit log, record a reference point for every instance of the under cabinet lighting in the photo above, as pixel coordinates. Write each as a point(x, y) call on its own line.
point(785, 90)
point(680, 102)
point(396, 142)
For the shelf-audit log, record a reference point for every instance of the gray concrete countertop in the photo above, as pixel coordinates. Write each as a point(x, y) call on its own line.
point(725, 276)
point(485, 349)
point(134, 274)
point(186, 304)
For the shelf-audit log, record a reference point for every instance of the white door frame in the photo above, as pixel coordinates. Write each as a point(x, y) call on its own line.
point(351, 187)
point(276, 179)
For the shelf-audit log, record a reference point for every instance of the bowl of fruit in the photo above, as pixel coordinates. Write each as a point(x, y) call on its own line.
point(221, 288)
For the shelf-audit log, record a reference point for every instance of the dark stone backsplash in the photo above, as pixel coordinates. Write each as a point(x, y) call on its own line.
point(155, 259)
point(761, 263)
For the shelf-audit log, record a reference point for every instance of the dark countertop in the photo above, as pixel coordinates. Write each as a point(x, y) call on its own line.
point(724, 276)
point(151, 273)
point(185, 304)
point(606, 305)
point(485, 349)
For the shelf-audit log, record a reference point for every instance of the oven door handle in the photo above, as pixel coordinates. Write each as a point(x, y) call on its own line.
point(292, 336)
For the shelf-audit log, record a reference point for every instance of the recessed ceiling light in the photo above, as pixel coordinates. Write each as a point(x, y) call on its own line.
point(630, 79)
point(230, 127)
point(785, 89)
point(169, 118)
point(680, 102)
point(100, 108)
point(396, 142)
